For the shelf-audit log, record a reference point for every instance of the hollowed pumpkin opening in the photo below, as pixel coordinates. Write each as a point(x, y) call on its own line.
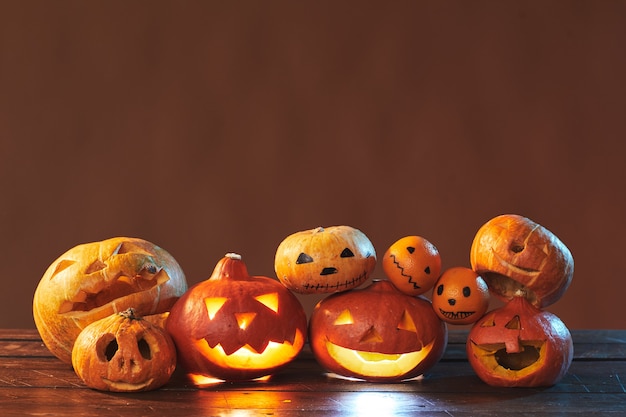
point(525, 361)
point(376, 364)
point(246, 357)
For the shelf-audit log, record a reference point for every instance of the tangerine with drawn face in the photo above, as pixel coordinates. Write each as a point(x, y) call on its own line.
point(325, 260)
point(515, 255)
point(94, 280)
point(412, 264)
point(460, 296)
point(376, 333)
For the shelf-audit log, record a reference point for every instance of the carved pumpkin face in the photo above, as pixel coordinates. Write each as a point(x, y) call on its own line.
point(124, 353)
point(377, 334)
point(234, 326)
point(94, 280)
point(460, 296)
point(413, 264)
point(325, 260)
point(513, 253)
point(519, 345)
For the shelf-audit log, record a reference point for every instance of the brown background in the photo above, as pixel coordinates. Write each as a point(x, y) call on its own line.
point(226, 126)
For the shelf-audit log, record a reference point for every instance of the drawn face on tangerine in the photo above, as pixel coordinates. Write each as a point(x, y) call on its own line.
point(412, 264)
point(460, 296)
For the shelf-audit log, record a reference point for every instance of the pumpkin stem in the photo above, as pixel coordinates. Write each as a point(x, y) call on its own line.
point(129, 314)
point(318, 230)
point(233, 256)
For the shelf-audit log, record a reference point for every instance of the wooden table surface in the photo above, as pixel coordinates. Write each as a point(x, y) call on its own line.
point(34, 383)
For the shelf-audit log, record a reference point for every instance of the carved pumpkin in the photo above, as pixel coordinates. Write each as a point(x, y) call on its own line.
point(325, 260)
point(512, 253)
point(413, 264)
point(124, 353)
point(376, 334)
point(460, 296)
point(234, 326)
point(519, 345)
point(94, 280)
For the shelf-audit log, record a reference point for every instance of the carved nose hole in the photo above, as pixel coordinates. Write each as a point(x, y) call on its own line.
point(517, 248)
point(328, 271)
point(451, 301)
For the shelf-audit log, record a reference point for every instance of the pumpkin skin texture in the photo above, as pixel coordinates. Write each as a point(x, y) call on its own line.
point(460, 296)
point(91, 281)
point(513, 253)
point(413, 264)
point(325, 260)
point(376, 334)
point(519, 345)
point(124, 353)
point(235, 327)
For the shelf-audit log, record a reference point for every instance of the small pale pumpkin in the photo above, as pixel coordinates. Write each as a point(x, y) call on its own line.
point(325, 260)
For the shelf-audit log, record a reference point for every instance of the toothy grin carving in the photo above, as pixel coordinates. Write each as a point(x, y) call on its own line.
point(459, 315)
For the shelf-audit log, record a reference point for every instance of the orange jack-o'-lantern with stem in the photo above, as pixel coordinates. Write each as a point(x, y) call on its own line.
point(234, 326)
point(376, 333)
point(124, 353)
point(519, 345)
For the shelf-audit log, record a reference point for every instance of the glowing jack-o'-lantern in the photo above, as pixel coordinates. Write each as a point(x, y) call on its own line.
point(94, 280)
point(460, 296)
point(124, 353)
point(519, 345)
point(376, 334)
point(413, 264)
point(234, 326)
point(512, 253)
point(325, 260)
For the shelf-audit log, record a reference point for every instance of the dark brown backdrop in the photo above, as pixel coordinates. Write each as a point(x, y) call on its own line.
point(215, 127)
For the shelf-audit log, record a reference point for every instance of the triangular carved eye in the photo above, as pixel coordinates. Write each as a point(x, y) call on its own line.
point(347, 253)
point(303, 258)
point(407, 323)
point(371, 336)
point(65, 263)
point(344, 318)
point(213, 305)
point(269, 300)
point(489, 322)
point(514, 324)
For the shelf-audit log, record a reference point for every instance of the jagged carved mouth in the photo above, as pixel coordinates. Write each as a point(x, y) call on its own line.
point(99, 293)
